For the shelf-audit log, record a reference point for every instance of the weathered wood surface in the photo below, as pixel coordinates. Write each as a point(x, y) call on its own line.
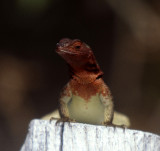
point(46, 136)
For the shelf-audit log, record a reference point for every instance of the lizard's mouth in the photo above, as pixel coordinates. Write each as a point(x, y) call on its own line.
point(63, 51)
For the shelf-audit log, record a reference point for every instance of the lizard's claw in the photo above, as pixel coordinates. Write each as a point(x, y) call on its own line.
point(65, 119)
point(108, 124)
point(113, 125)
point(53, 118)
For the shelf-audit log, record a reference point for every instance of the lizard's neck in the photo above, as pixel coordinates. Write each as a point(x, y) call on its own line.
point(84, 77)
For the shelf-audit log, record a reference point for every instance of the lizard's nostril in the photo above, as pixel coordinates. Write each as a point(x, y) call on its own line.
point(57, 45)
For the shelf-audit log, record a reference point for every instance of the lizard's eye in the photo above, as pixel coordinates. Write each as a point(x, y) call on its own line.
point(78, 47)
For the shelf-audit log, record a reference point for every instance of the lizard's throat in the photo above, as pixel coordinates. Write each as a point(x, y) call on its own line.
point(85, 77)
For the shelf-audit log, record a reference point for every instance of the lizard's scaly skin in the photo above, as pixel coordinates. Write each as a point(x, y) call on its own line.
point(86, 98)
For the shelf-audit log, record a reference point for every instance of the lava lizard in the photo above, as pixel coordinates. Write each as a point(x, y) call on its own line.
point(85, 98)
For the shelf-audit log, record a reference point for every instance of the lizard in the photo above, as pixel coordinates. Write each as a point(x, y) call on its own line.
point(85, 98)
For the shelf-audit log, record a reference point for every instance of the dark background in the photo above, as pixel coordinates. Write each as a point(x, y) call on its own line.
point(124, 35)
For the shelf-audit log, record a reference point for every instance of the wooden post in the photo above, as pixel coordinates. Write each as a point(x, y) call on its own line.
point(44, 135)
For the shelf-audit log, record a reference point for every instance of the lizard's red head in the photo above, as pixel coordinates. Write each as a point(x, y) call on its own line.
point(77, 54)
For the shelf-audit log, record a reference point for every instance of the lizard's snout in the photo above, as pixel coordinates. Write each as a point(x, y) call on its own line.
point(64, 42)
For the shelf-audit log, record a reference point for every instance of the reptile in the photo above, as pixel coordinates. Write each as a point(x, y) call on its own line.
point(85, 98)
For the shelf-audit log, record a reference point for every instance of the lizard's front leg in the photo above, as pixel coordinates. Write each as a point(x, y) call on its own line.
point(106, 100)
point(65, 98)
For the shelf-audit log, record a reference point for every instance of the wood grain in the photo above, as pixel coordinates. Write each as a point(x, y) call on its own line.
point(47, 136)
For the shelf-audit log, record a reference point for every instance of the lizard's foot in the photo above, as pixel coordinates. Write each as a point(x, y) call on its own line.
point(108, 124)
point(65, 119)
point(122, 126)
point(53, 118)
point(113, 125)
point(119, 126)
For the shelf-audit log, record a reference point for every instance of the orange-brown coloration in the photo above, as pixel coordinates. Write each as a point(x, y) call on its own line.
point(85, 71)
point(86, 90)
point(79, 56)
point(87, 83)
